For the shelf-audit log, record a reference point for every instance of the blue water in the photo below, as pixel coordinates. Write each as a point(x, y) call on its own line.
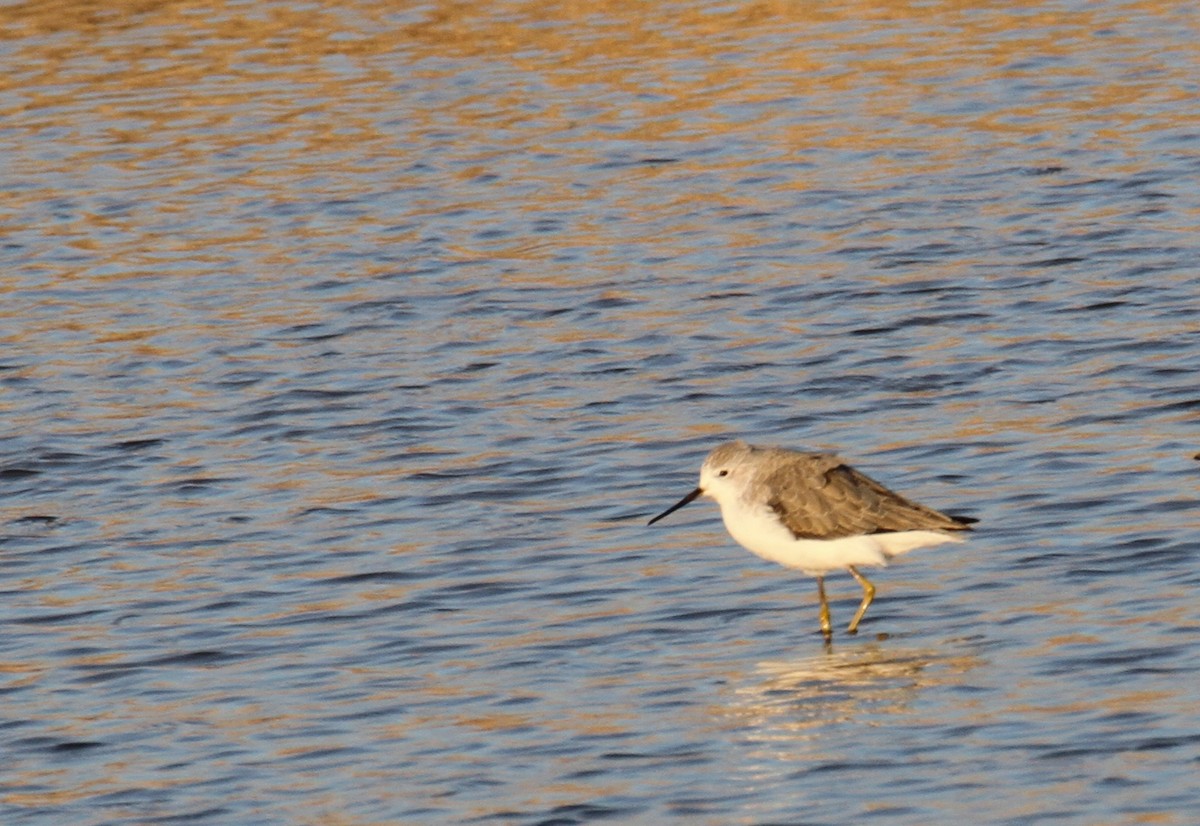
point(347, 352)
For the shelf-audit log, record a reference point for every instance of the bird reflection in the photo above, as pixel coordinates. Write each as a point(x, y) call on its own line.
point(792, 697)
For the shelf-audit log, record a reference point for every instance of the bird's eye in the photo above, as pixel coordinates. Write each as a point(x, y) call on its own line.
point(722, 473)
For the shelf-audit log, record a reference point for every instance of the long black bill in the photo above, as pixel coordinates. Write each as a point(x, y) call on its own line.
point(677, 505)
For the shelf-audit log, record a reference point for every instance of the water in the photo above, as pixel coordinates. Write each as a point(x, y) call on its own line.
point(346, 352)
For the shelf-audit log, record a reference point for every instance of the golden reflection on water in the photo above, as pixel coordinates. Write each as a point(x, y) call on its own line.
point(330, 91)
point(819, 51)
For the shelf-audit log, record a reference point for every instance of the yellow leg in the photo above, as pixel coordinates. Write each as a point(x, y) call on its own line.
point(826, 625)
point(868, 598)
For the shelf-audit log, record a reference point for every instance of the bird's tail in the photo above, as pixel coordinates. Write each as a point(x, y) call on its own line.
point(902, 542)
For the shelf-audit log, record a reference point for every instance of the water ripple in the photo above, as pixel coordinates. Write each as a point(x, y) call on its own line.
point(349, 351)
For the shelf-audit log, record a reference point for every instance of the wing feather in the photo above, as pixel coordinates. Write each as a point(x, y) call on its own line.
point(818, 496)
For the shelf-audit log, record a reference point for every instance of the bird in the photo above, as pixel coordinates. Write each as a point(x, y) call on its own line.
point(812, 512)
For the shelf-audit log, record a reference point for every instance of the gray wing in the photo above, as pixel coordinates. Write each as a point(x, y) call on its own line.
point(817, 496)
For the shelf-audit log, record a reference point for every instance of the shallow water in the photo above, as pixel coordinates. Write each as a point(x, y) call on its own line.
point(347, 351)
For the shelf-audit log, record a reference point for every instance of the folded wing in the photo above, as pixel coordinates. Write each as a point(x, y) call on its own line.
point(817, 496)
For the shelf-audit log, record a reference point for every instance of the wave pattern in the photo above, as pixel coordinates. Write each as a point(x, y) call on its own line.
point(347, 352)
